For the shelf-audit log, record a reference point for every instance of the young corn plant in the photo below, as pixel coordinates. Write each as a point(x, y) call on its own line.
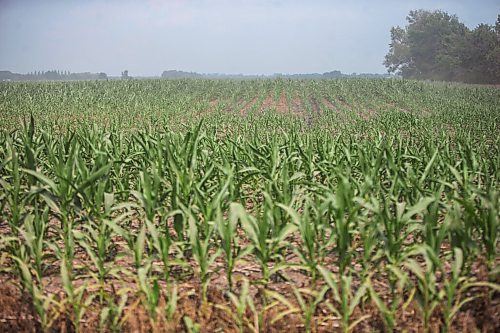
point(345, 298)
point(308, 301)
point(34, 235)
point(343, 211)
point(200, 245)
point(455, 286)
point(182, 166)
point(12, 194)
point(162, 244)
point(41, 303)
point(427, 292)
point(227, 230)
point(452, 290)
point(264, 246)
point(397, 302)
point(97, 243)
point(151, 198)
point(489, 223)
point(240, 305)
point(150, 292)
point(314, 233)
point(310, 251)
point(75, 297)
point(135, 242)
point(369, 234)
point(398, 222)
point(111, 317)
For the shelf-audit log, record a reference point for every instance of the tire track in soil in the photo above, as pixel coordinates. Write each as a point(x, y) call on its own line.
point(232, 106)
point(282, 106)
point(315, 105)
point(248, 106)
point(329, 105)
point(316, 111)
point(402, 108)
point(345, 105)
point(211, 108)
point(341, 108)
point(297, 106)
point(267, 103)
point(367, 114)
point(299, 110)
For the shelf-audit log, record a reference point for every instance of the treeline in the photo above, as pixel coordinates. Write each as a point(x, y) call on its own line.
point(437, 46)
point(52, 75)
point(176, 74)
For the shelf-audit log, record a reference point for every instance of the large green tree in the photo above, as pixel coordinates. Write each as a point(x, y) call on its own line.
point(480, 56)
point(436, 45)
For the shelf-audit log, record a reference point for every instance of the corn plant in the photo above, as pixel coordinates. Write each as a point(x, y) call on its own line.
point(111, 316)
point(348, 183)
point(200, 246)
point(264, 247)
point(427, 292)
point(308, 301)
point(41, 303)
point(241, 303)
point(229, 241)
point(388, 311)
point(150, 291)
point(346, 299)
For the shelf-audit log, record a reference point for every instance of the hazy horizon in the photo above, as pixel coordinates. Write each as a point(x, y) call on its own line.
point(220, 36)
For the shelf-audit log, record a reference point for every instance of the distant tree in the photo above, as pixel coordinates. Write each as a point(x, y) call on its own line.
point(125, 75)
point(428, 47)
point(398, 60)
point(436, 45)
point(102, 76)
point(494, 55)
point(480, 56)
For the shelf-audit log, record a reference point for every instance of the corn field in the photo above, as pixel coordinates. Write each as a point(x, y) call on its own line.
point(249, 206)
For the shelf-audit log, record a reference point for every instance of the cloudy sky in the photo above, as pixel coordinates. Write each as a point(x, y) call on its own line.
point(226, 36)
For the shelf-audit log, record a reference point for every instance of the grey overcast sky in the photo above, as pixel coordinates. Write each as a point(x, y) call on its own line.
point(225, 36)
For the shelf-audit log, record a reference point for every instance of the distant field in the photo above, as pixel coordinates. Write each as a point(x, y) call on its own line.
point(249, 206)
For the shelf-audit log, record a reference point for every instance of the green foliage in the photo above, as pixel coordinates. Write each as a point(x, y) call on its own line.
point(152, 185)
point(437, 46)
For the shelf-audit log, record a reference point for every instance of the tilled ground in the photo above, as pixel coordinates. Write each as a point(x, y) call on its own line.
point(218, 313)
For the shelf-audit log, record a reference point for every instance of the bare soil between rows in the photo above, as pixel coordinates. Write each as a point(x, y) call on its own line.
point(215, 315)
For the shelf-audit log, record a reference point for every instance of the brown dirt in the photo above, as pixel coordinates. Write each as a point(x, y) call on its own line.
point(315, 105)
point(368, 114)
point(212, 104)
point(297, 106)
point(267, 103)
point(329, 105)
point(233, 106)
point(211, 108)
point(345, 106)
point(421, 112)
point(16, 314)
point(248, 106)
point(282, 105)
